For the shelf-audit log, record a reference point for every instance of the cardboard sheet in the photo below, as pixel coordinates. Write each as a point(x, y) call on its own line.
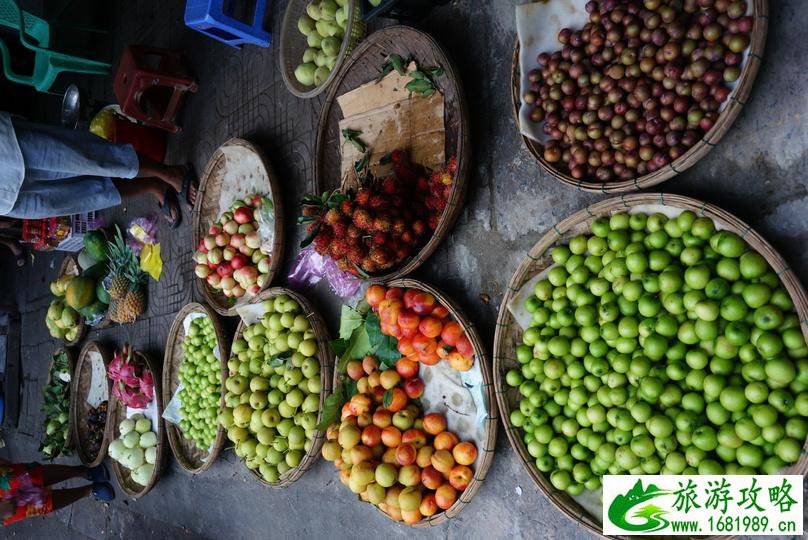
point(389, 119)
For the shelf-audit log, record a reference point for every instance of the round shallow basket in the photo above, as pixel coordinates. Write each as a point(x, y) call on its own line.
point(70, 443)
point(486, 453)
point(117, 410)
point(207, 211)
point(192, 459)
point(70, 267)
point(325, 359)
point(732, 107)
point(508, 335)
point(293, 44)
point(79, 408)
point(363, 67)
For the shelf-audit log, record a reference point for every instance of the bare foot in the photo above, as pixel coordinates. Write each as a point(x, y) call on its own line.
point(173, 176)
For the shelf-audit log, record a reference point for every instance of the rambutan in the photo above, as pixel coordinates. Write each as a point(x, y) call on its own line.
point(399, 157)
point(340, 229)
point(433, 221)
point(322, 243)
point(380, 239)
point(347, 207)
point(422, 184)
point(332, 216)
point(452, 165)
point(389, 185)
point(399, 226)
point(378, 201)
point(369, 266)
point(362, 219)
point(401, 254)
point(380, 256)
point(309, 210)
point(362, 197)
point(338, 248)
point(356, 254)
point(382, 224)
point(408, 237)
point(353, 231)
point(419, 227)
point(344, 265)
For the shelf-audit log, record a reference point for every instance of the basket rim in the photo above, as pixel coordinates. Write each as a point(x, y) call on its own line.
point(462, 150)
point(276, 257)
point(173, 432)
point(122, 475)
point(556, 233)
point(289, 27)
point(74, 404)
point(480, 352)
point(735, 103)
point(324, 357)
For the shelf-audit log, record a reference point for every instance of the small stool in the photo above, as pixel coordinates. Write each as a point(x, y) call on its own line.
point(209, 18)
point(150, 85)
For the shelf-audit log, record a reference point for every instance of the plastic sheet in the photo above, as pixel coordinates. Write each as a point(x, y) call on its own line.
point(311, 267)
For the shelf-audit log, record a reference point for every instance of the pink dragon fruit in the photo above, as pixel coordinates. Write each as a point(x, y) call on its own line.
point(146, 383)
point(134, 398)
point(133, 384)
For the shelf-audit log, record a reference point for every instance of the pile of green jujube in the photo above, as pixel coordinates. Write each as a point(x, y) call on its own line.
point(273, 390)
point(199, 375)
point(323, 24)
point(660, 346)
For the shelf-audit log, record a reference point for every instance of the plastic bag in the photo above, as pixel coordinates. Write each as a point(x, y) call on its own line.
point(265, 216)
point(310, 267)
point(144, 230)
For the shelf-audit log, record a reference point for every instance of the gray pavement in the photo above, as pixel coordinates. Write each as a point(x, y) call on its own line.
point(757, 171)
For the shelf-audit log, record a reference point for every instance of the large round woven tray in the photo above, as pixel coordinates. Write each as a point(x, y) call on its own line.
point(71, 267)
point(192, 459)
point(508, 333)
point(325, 358)
point(733, 106)
point(70, 443)
point(363, 66)
point(293, 44)
point(206, 212)
point(118, 413)
point(486, 453)
point(79, 408)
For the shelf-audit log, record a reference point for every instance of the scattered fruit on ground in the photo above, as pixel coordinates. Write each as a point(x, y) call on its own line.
point(323, 26)
point(136, 449)
point(231, 258)
point(56, 406)
point(638, 85)
point(660, 346)
point(272, 397)
point(132, 380)
point(389, 452)
point(127, 289)
point(200, 377)
point(382, 224)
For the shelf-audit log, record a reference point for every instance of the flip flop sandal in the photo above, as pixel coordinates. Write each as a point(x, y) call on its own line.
point(189, 179)
point(171, 209)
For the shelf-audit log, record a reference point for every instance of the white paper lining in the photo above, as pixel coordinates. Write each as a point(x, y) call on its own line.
point(99, 385)
point(538, 25)
point(590, 500)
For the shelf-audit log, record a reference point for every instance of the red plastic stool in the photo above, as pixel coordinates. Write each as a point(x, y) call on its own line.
point(146, 140)
point(150, 85)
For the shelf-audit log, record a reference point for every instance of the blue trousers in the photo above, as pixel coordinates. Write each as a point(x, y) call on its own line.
point(68, 172)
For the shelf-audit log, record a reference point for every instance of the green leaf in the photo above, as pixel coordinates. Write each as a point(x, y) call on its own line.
point(279, 360)
point(435, 71)
point(387, 352)
point(336, 199)
point(311, 199)
point(310, 237)
point(351, 389)
point(373, 326)
point(352, 136)
point(386, 68)
point(387, 400)
point(358, 347)
point(339, 346)
point(302, 220)
point(420, 86)
point(397, 62)
point(417, 74)
point(361, 164)
point(385, 159)
point(332, 407)
point(350, 320)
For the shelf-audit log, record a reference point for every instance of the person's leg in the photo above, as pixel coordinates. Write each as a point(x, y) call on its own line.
point(66, 497)
point(53, 474)
point(156, 188)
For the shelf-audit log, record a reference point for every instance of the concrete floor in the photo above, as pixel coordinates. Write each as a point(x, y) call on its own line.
point(758, 172)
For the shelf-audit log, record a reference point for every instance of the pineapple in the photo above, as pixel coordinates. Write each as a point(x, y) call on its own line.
point(121, 260)
point(133, 304)
point(113, 311)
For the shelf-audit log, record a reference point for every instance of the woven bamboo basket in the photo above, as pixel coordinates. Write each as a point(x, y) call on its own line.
point(70, 443)
point(206, 212)
point(364, 66)
point(293, 44)
point(79, 408)
point(71, 267)
point(192, 459)
point(486, 453)
point(508, 332)
point(117, 411)
point(325, 358)
point(733, 106)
